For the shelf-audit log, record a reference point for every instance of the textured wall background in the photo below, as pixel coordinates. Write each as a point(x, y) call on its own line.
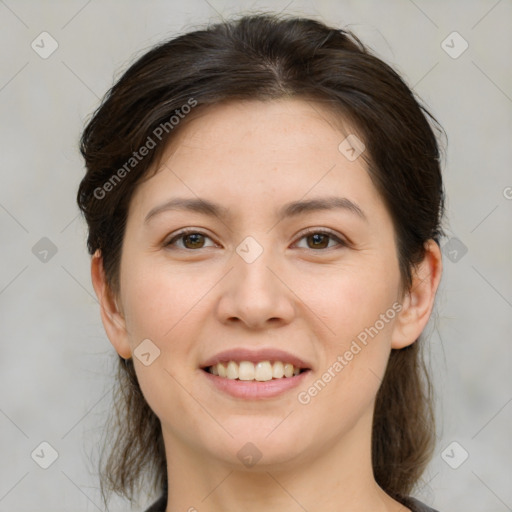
point(55, 360)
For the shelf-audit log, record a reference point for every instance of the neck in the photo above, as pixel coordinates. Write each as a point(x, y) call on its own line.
point(340, 478)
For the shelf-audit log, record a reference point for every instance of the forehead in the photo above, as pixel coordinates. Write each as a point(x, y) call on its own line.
point(280, 150)
point(279, 123)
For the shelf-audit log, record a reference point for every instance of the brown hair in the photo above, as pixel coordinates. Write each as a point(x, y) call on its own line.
point(267, 57)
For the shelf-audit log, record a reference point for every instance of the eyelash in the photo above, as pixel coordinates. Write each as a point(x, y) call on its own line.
point(313, 231)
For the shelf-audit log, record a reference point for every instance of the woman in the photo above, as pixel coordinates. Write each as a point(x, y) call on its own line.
point(264, 201)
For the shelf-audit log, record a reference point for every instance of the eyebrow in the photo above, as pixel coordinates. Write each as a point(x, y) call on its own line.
point(292, 209)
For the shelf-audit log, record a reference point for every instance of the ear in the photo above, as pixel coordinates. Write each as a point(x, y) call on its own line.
point(111, 316)
point(419, 300)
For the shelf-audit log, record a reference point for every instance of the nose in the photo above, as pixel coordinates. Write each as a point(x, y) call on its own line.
point(256, 294)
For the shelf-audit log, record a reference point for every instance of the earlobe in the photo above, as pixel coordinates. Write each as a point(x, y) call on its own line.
point(111, 316)
point(419, 300)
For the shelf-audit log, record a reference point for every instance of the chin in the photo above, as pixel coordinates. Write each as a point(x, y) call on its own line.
point(261, 446)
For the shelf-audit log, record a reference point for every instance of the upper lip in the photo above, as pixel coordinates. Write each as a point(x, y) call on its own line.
point(255, 356)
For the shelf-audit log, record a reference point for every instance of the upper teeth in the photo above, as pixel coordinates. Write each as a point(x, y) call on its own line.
point(246, 370)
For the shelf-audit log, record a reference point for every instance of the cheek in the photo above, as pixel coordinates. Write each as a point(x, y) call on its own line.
point(359, 306)
point(163, 305)
point(158, 299)
point(354, 299)
point(355, 357)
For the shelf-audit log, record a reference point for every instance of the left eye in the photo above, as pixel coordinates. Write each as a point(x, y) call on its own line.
point(196, 240)
point(320, 239)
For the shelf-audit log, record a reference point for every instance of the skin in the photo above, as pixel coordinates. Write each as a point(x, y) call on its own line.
point(253, 157)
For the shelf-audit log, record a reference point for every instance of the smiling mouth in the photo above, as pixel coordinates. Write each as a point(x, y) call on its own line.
point(262, 371)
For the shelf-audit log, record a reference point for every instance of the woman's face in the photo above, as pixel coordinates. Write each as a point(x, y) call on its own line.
point(265, 278)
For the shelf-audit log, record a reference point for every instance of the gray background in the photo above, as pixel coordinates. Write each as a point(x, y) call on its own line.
point(56, 362)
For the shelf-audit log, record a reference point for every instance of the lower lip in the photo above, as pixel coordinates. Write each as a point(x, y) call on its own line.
point(253, 389)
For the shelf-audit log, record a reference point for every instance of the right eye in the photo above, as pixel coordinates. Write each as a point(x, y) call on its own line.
point(192, 239)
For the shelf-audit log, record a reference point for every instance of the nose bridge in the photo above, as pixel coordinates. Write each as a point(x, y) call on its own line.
point(252, 268)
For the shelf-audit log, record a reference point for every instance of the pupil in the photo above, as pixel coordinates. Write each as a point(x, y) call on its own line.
point(318, 237)
point(194, 239)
